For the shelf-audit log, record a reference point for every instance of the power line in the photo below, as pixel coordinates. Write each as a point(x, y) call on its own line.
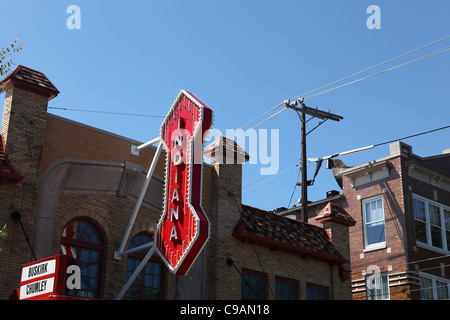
point(352, 82)
point(107, 112)
point(411, 136)
point(307, 97)
point(263, 180)
point(378, 73)
point(254, 184)
point(373, 67)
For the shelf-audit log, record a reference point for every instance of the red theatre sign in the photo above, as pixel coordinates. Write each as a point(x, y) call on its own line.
point(184, 227)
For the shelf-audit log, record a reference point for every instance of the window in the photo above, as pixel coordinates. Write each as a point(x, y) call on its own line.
point(434, 288)
point(377, 290)
point(420, 220)
point(435, 225)
point(431, 223)
point(426, 288)
point(373, 217)
point(148, 285)
point(82, 241)
point(286, 289)
point(447, 226)
point(253, 285)
point(316, 292)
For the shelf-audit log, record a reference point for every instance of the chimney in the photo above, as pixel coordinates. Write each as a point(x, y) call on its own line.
point(337, 222)
point(24, 117)
point(227, 158)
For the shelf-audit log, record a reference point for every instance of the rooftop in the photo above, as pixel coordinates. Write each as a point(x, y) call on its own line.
point(29, 79)
point(285, 234)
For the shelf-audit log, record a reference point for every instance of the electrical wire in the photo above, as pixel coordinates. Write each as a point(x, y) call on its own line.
point(411, 136)
point(404, 264)
point(108, 112)
point(303, 95)
point(254, 184)
point(263, 180)
point(352, 82)
point(378, 73)
point(373, 67)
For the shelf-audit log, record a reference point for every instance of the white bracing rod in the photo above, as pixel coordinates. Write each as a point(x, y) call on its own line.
point(119, 253)
point(135, 273)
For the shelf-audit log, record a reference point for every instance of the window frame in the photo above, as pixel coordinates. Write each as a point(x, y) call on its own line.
point(380, 244)
point(313, 286)
point(139, 256)
point(286, 280)
point(244, 282)
point(434, 289)
point(67, 241)
point(444, 227)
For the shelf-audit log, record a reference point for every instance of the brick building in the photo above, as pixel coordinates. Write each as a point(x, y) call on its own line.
point(401, 208)
point(69, 188)
point(401, 204)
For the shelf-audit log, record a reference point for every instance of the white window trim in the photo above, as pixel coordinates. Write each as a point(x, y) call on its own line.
point(433, 281)
point(378, 245)
point(429, 245)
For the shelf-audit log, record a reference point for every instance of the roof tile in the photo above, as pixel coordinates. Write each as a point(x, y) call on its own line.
point(284, 233)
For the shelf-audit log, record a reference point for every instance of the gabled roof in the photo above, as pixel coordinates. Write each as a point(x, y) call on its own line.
point(285, 234)
point(7, 172)
point(31, 80)
point(334, 212)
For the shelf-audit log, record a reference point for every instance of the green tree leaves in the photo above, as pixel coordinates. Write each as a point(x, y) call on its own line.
point(6, 59)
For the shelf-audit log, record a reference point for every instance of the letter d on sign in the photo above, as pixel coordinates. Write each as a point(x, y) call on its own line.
point(74, 280)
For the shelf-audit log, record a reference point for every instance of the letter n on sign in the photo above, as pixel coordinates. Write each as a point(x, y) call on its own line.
point(184, 227)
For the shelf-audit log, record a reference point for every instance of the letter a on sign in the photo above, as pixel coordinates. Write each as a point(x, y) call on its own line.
point(184, 227)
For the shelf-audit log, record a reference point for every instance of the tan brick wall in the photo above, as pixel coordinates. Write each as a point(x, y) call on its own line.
point(112, 213)
point(23, 126)
point(68, 139)
point(224, 282)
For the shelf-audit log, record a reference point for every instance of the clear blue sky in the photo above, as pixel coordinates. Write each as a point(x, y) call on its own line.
point(243, 58)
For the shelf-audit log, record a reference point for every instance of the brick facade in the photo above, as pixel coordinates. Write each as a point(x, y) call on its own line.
point(399, 257)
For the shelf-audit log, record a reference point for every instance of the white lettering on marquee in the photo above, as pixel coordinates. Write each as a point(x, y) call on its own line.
point(38, 270)
point(37, 288)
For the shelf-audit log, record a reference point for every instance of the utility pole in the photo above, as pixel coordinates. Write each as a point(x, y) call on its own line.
point(302, 111)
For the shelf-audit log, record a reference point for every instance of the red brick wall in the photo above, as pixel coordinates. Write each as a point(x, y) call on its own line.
point(394, 214)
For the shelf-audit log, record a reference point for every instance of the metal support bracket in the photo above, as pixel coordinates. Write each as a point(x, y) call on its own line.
point(136, 272)
point(121, 252)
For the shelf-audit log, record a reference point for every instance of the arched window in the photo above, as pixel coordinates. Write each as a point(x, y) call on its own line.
point(149, 284)
point(83, 242)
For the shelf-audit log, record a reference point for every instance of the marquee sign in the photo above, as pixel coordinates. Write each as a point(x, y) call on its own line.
point(38, 278)
point(48, 278)
point(184, 227)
